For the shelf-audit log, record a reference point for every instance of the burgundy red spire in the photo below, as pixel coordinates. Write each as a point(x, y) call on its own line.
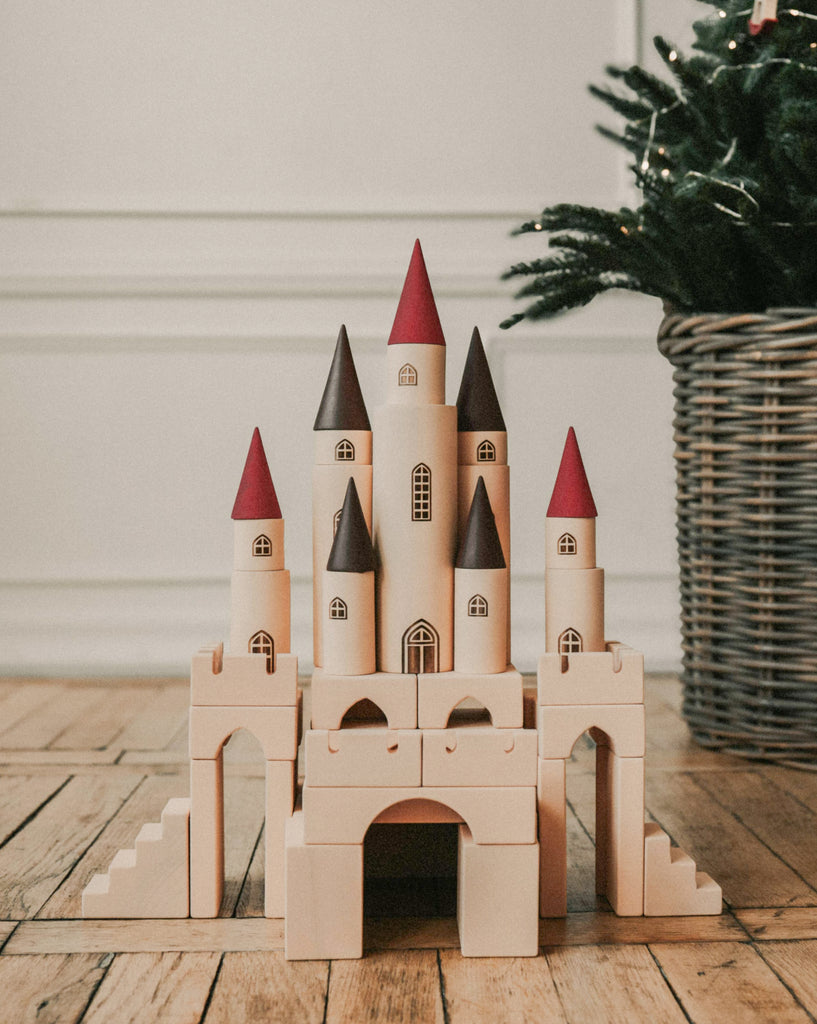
point(256, 498)
point(417, 321)
point(571, 498)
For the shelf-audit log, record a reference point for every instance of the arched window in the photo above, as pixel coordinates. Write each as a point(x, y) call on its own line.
point(486, 452)
point(570, 642)
point(262, 546)
point(407, 376)
point(344, 451)
point(338, 609)
point(336, 521)
point(421, 646)
point(421, 493)
point(478, 606)
point(567, 544)
point(262, 643)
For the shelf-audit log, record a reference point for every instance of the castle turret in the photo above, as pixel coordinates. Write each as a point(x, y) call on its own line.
point(574, 587)
point(348, 587)
point(260, 589)
point(414, 504)
point(343, 449)
point(481, 593)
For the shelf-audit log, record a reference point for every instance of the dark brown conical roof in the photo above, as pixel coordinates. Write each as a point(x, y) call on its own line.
point(352, 549)
point(481, 548)
point(477, 404)
point(342, 406)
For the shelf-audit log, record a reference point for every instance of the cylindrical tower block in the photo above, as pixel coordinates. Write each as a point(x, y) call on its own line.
point(574, 610)
point(258, 544)
point(343, 446)
point(260, 606)
point(348, 615)
point(570, 543)
point(482, 447)
point(416, 375)
point(480, 620)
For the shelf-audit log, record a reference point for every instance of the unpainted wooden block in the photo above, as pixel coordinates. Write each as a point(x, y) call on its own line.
point(364, 756)
point(574, 600)
point(260, 601)
point(394, 693)
point(494, 814)
point(242, 680)
point(620, 831)
point(479, 756)
point(348, 639)
point(280, 801)
point(275, 728)
point(481, 637)
point(672, 885)
point(497, 898)
point(614, 676)
point(622, 725)
point(439, 694)
point(153, 878)
point(206, 836)
point(324, 898)
point(552, 827)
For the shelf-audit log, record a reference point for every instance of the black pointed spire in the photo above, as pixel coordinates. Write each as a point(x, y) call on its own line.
point(477, 404)
point(352, 549)
point(342, 406)
point(480, 548)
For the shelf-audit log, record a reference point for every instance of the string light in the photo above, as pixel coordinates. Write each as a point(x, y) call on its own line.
point(732, 44)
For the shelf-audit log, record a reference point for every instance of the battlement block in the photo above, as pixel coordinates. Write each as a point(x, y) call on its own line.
point(479, 756)
point(395, 694)
point(439, 693)
point(242, 680)
point(619, 726)
point(364, 756)
point(275, 728)
point(614, 676)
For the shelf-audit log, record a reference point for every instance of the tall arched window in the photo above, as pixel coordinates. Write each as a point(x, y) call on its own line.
point(338, 609)
point(421, 646)
point(567, 544)
point(262, 546)
point(486, 452)
point(421, 493)
point(570, 642)
point(344, 451)
point(478, 606)
point(261, 643)
point(407, 376)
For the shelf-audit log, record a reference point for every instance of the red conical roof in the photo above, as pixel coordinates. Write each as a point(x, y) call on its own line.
point(256, 498)
point(571, 498)
point(416, 321)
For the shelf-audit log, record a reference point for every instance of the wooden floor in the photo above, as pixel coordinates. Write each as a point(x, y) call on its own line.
point(84, 764)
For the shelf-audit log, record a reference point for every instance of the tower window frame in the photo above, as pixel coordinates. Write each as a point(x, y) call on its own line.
point(338, 609)
point(262, 643)
point(478, 607)
point(486, 451)
point(566, 545)
point(407, 376)
point(421, 493)
point(261, 546)
point(570, 641)
point(344, 451)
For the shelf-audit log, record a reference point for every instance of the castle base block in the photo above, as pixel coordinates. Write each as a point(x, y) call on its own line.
point(394, 694)
point(439, 693)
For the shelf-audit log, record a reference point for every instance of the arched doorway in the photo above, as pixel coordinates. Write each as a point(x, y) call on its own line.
point(421, 648)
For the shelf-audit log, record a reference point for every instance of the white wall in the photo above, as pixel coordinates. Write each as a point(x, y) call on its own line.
point(193, 198)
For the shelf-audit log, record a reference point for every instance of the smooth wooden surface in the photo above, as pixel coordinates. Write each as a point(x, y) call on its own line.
point(84, 764)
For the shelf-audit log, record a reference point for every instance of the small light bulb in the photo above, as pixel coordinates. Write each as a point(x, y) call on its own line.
point(721, 14)
point(624, 230)
point(732, 44)
point(672, 55)
point(537, 227)
point(661, 151)
point(813, 46)
point(645, 165)
point(665, 173)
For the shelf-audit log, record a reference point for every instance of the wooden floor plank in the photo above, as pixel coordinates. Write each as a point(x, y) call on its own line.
point(513, 991)
point(36, 860)
point(25, 698)
point(143, 988)
point(49, 989)
point(798, 784)
point(43, 725)
point(251, 897)
point(603, 928)
point(581, 866)
point(243, 821)
point(779, 923)
point(724, 983)
point(103, 721)
point(612, 985)
point(795, 963)
point(255, 987)
point(386, 988)
point(21, 795)
point(159, 720)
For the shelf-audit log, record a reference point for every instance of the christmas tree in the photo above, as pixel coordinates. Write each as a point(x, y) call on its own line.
point(725, 157)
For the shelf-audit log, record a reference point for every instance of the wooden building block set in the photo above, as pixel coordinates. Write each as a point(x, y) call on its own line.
point(411, 548)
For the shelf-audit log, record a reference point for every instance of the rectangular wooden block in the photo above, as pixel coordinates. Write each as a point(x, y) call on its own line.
point(479, 756)
point(552, 824)
point(622, 728)
point(232, 680)
point(206, 837)
point(275, 728)
point(620, 831)
point(280, 800)
point(497, 898)
point(394, 694)
point(364, 756)
point(324, 898)
point(494, 814)
point(439, 693)
point(614, 676)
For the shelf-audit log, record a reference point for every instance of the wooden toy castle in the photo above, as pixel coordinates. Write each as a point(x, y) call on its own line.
point(411, 546)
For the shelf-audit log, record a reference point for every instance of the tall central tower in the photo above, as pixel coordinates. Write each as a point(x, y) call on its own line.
point(414, 506)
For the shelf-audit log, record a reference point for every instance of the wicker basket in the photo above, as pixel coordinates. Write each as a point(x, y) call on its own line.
point(746, 459)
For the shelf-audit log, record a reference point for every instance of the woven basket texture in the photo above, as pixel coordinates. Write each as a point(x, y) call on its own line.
point(746, 461)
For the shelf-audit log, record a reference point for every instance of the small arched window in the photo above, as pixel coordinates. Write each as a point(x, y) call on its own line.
point(262, 546)
point(421, 493)
point(338, 609)
point(344, 451)
point(567, 544)
point(486, 452)
point(336, 521)
point(570, 642)
point(261, 643)
point(478, 606)
point(407, 377)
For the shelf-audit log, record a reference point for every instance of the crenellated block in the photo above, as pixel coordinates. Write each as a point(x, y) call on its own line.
point(673, 887)
point(364, 756)
point(275, 728)
point(242, 680)
point(438, 694)
point(479, 756)
point(394, 694)
point(622, 727)
point(614, 676)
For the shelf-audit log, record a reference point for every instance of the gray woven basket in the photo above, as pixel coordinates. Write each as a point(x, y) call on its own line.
point(746, 460)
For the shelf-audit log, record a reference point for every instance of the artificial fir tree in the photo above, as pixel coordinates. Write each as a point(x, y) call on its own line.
point(725, 157)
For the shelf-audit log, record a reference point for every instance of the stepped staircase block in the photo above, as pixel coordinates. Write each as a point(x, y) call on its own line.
point(672, 885)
